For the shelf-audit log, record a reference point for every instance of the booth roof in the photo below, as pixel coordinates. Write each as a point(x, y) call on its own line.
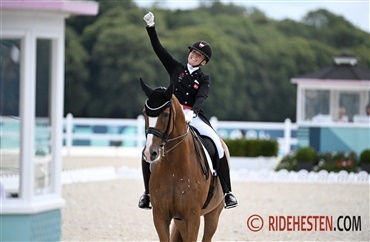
point(65, 6)
point(338, 72)
point(345, 68)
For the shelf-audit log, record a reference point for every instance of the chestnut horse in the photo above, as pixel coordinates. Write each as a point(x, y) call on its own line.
point(178, 186)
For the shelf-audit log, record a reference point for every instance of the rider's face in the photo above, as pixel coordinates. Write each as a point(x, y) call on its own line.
point(196, 58)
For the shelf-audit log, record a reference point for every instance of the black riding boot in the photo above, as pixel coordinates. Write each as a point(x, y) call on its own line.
point(144, 201)
point(224, 174)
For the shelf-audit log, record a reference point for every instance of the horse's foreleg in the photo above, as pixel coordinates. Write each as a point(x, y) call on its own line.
point(175, 234)
point(211, 223)
point(162, 225)
point(188, 228)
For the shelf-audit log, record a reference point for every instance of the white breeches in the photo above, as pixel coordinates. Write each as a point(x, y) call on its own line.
point(206, 130)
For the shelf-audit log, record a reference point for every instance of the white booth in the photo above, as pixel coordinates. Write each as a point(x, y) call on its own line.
point(31, 115)
point(331, 107)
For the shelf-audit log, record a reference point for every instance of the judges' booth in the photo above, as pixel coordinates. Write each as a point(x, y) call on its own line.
point(331, 107)
point(31, 115)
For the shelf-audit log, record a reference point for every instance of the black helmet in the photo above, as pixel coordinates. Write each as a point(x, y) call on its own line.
point(203, 47)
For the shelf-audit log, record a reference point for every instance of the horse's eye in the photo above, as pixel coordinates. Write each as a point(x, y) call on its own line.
point(165, 115)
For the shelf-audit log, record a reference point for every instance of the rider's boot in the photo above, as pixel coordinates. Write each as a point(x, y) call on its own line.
point(144, 201)
point(224, 174)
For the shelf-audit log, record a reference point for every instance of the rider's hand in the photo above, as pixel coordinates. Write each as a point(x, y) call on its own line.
point(149, 19)
point(189, 116)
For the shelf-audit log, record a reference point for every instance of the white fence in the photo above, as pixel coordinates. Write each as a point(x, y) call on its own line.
point(93, 174)
point(71, 122)
point(226, 129)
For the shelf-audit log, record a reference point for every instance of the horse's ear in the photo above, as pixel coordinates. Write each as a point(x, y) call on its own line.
point(147, 90)
point(169, 91)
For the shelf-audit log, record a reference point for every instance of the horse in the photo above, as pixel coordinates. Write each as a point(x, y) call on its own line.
point(178, 186)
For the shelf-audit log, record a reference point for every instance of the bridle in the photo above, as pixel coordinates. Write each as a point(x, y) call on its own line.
point(164, 135)
point(155, 112)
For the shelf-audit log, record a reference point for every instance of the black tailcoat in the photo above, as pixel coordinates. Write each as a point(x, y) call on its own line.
point(190, 89)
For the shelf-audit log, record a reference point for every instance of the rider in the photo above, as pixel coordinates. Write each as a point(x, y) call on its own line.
point(191, 87)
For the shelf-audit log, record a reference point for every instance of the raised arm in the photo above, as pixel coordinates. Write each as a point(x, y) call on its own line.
point(167, 60)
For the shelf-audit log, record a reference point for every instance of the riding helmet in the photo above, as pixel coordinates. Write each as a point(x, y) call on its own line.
point(203, 47)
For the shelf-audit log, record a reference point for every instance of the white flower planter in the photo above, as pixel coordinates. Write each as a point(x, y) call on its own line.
point(254, 163)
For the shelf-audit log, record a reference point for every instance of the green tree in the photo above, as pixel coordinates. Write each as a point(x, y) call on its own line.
point(76, 75)
point(254, 57)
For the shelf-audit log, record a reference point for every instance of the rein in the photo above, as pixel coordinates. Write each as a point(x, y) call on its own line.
point(176, 138)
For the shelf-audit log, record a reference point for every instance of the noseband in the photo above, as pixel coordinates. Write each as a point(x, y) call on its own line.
point(155, 131)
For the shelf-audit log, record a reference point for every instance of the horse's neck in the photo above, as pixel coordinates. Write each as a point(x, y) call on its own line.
point(182, 149)
point(180, 127)
point(180, 133)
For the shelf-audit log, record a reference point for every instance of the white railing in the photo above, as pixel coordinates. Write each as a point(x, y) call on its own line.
point(70, 135)
point(258, 130)
point(130, 132)
point(226, 129)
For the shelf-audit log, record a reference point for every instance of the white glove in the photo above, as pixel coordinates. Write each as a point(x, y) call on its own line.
point(189, 116)
point(149, 19)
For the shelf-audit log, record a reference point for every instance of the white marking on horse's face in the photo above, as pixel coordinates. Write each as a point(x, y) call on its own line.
point(149, 139)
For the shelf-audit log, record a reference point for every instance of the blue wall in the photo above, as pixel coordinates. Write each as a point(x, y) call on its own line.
point(340, 139)
point(44, 226)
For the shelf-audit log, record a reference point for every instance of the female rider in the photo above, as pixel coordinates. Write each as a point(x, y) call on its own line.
point(191, 87)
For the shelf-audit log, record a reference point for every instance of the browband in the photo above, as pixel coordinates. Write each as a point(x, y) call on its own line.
point(155, 112)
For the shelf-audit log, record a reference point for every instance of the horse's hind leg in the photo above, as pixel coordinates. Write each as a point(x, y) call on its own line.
point(211, 223)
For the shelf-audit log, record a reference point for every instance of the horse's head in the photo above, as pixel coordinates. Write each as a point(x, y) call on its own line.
point(159, 119)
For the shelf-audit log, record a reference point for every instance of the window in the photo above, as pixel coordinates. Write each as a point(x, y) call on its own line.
point(316, 104)
point(10, 122)
point(43, 158)
point(350, 103)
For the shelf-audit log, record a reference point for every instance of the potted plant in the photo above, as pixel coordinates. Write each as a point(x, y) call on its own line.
point(288, 162)
point(337, 161)
point(305, 158)
point(365, 160)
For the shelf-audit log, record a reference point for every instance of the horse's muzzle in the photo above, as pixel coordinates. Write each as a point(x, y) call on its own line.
point(152, 154)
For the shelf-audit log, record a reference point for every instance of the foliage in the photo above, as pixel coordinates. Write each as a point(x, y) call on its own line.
point(252, 147)
point(306, 154)
point(365, 156)
point(329, 161)
point(76, 74)
point(288, 162)
point(254, 57)
point(337, 161)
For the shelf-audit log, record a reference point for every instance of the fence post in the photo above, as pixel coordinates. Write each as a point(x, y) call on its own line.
point(287, 135)
point(140, 131)
point(69, 131)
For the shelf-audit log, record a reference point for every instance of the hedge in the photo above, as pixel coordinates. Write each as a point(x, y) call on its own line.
point(252, 147)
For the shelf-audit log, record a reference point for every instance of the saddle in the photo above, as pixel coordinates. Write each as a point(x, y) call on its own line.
point(211, 149)
point(209, 145)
